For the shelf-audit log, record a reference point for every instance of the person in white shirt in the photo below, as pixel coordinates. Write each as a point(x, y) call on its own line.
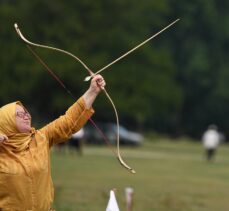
point(211, 140)
point(77, 141)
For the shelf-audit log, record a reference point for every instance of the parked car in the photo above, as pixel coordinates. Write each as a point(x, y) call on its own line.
point(127, 137)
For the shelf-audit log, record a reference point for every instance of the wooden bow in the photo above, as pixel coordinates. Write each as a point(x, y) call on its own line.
point(29, 43)
point(92, 74)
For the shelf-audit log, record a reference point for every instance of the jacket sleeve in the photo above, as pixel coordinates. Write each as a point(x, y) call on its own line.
point(62, 128)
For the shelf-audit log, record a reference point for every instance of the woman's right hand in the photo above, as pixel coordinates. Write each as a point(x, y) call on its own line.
point(3, 138)
point(97, 85)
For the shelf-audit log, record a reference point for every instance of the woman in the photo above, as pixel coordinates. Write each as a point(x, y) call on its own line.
point(25, 175)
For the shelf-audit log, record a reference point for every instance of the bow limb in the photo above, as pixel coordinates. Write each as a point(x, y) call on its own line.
point(51, 48)
point(117, 122)
point(29, 43)
point(133, 49)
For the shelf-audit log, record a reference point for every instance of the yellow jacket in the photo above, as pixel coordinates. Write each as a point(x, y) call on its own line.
point(25, 176)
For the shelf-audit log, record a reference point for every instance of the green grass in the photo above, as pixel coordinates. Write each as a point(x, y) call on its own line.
point(171, 176)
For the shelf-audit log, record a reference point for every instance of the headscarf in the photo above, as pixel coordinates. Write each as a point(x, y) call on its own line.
point(17, 141)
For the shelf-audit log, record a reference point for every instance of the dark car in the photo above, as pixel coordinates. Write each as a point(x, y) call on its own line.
point(93, 136)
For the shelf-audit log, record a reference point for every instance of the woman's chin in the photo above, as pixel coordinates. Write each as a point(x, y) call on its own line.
point(26, 130)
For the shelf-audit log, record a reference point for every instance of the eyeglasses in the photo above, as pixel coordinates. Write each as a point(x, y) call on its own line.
point(23, 115)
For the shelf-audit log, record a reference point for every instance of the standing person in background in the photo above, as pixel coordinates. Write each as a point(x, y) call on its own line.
point(77, 141)
point(25, 173)
point(211, 140)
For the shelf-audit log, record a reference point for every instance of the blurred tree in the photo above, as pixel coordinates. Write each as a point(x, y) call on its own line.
point(176, 84)
point(201, 61)
point(98, 32)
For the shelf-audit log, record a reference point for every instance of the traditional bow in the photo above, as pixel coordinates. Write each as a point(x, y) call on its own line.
point(91, 74)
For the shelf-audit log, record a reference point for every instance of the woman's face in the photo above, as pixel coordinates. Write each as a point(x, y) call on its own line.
point(23, 120)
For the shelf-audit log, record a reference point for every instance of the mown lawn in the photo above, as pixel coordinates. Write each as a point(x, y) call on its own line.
point(171, 176)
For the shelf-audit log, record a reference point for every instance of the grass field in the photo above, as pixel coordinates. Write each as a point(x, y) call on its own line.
point(171, 176)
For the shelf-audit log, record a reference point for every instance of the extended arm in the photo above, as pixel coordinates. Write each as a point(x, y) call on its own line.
point(76, 116)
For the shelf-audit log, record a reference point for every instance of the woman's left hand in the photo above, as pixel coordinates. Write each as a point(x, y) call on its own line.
point(97, 84)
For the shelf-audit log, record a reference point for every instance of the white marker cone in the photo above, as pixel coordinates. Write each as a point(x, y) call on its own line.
point(112, 203)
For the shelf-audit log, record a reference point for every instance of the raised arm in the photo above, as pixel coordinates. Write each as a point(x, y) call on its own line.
point(76, 116)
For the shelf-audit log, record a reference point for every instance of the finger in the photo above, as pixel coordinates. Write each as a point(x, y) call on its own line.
point(101, 83)
point(2, 138)
point(103, 86)
point(99, 80)
point(98, 77)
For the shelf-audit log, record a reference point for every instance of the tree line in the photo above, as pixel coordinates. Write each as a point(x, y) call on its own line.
point(176, 84)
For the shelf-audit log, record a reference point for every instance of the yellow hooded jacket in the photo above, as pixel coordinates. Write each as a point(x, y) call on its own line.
point(25, 174)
